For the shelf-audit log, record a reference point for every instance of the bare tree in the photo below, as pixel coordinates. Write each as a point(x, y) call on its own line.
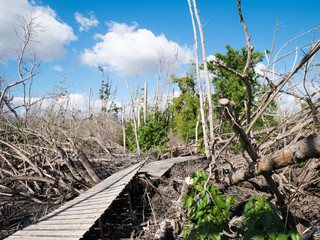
point(135, 124)
point(206, 72)
point(27, 67)
point(203, 117)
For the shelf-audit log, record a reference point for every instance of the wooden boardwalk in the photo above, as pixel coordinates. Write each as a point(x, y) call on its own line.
point(72, 220)
point(159, 168)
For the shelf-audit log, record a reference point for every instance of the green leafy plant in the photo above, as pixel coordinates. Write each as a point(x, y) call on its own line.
point(209, 215)
point(151, 136)
point(263, 222)
point(209, 211)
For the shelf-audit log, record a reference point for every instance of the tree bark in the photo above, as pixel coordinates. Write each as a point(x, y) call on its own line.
point(301, 151)
point(246, 143)
point(87, 165)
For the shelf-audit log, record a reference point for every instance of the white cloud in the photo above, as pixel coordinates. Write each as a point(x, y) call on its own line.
point(50, 35)
point(129, 50)
point(57, 68)
point(259, 68)
point(74, 103)
point(86, 23)
point(288, 103)
point(210, 58)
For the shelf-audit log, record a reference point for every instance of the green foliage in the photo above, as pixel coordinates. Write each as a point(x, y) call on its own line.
point(226, 84)
point(105, 87)
point(186, 108)
point(105, 95)
point(61, 90)
point(263, 222)
point(151, 136)
point(186, 84)
point(209, 215)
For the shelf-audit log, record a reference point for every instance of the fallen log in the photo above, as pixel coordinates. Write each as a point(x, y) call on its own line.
point(299, 152)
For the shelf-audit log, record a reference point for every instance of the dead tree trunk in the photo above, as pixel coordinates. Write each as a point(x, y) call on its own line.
point(145, 103)
point(205, 67)
point(203, 118)
point(301, 151)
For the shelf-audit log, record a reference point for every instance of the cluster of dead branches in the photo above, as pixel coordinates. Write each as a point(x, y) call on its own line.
point(50, 162)
point(295, 138)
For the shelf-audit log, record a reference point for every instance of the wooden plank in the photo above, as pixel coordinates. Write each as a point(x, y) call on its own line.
point(159, 168)
point(40, 238)
point(74, 219)
point(64, 221)
point(52, 233)
point(69, 216)
point(80, 211)
point(83, 197)
point(75, 226)
point(101, 199)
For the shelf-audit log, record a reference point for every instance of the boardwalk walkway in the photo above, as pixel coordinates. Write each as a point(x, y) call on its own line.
point(72, 220)
point(159, 168)
point(75, 218)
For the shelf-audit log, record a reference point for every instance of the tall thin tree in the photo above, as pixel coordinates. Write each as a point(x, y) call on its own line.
point(203, 118)
point(206, 72)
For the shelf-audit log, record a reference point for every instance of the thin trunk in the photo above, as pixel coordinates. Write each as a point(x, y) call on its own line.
point(203, 118)
point(209, 97)
point(134, 121)
point(171, 147)
point(145, 103)
point(123, 127)
point(196, 133)
point(89, 103)
point(138, 115)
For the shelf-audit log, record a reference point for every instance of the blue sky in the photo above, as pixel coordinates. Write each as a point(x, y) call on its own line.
point(123, 36)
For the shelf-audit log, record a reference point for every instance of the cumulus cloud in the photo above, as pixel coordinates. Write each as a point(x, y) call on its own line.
point(129, 50)
point(86, 23)
point(57, 68)
point(49, 36)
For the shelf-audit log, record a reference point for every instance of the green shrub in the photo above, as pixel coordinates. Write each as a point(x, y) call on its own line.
point(263, 222)
point(209, 215)
point(151, 136)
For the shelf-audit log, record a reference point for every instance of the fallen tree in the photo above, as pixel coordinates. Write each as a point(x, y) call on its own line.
point(298, 152)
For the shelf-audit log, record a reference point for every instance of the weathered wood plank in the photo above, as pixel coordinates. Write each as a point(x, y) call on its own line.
point(52, 233)
point(40, 238)
point(159, 168)
point(74, 219)
point(75, 226)
point(64, 221)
